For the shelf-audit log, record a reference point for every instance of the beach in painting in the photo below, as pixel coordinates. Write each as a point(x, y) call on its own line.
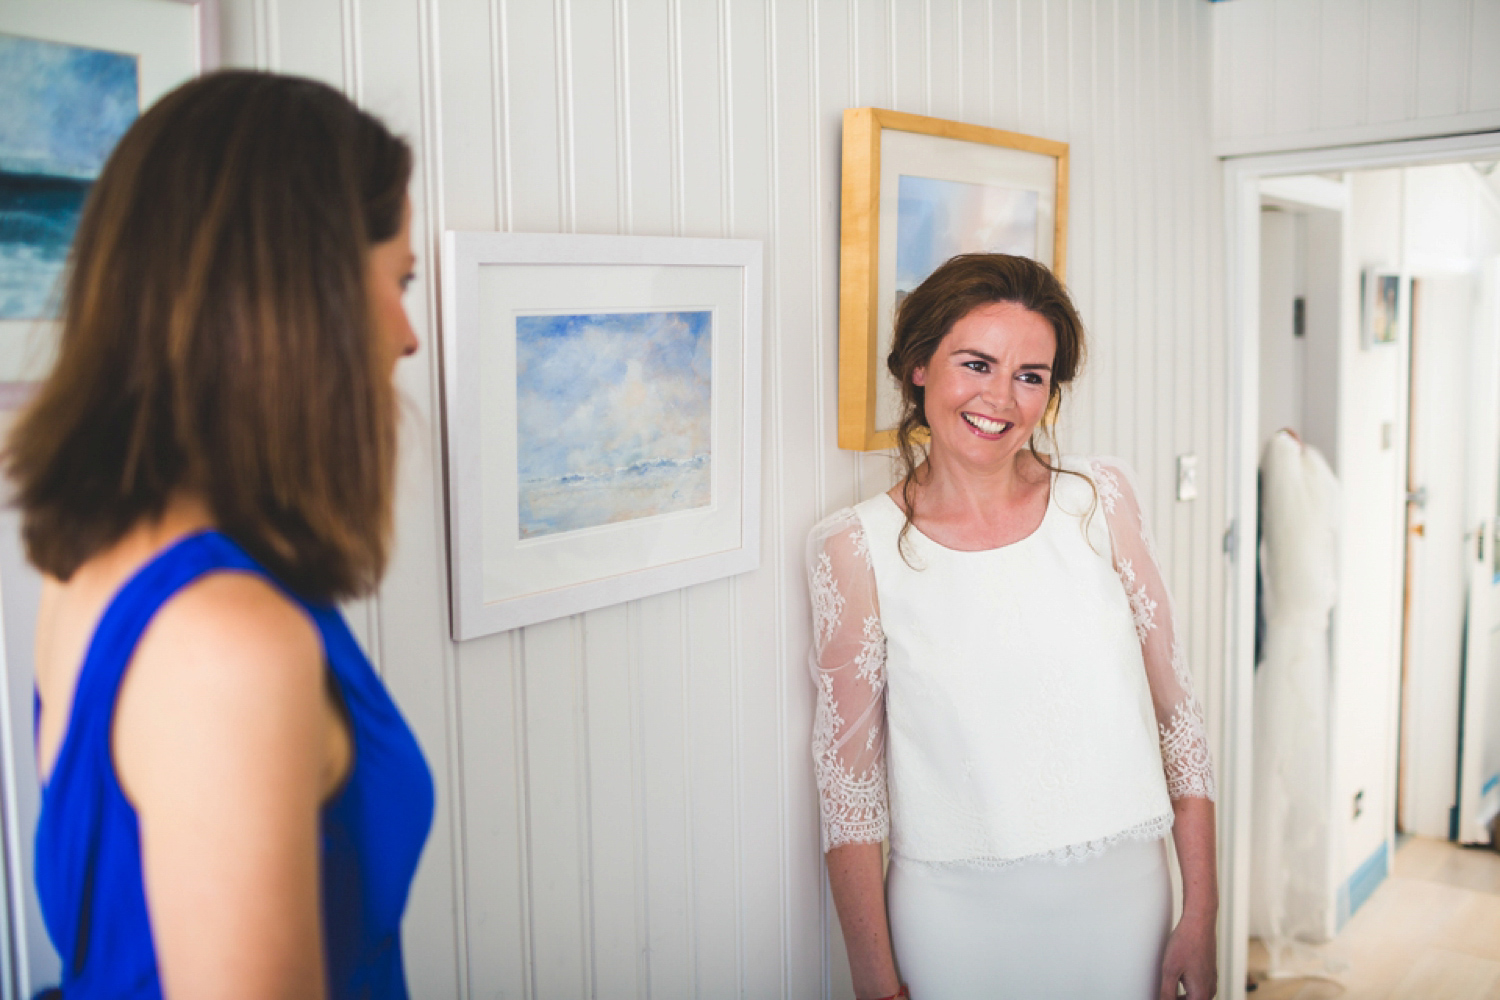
point(938, 219)
point(65, 108)
point(614, 417)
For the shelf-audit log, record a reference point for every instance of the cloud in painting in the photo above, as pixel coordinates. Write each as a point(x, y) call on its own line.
point(614, 416)
point(938, 219)
point(65, 106)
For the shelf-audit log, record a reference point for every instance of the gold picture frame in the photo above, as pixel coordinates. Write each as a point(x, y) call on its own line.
point(1010, 192)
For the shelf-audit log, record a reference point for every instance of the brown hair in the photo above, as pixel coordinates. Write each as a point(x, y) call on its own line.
point(216, 337)
point(950, 293)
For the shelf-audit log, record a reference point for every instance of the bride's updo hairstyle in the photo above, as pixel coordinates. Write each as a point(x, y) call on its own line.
point(950, 293)
point(217, 337)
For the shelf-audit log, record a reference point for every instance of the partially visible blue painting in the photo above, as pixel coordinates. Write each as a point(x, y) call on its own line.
point(64, 108)
point(938, 219)
point(614, 417)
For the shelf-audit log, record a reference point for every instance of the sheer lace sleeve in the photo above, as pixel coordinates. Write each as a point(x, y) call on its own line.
point(848, 667)
point(1184, 739)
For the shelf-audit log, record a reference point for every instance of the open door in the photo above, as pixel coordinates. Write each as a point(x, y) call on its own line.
point(1479, 722)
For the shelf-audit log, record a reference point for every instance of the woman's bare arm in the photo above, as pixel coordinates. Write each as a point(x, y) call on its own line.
point(1192, 952)
point(220, 742)
point(856, 875)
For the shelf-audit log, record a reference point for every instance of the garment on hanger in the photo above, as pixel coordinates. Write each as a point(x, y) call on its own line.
point(1291, 902)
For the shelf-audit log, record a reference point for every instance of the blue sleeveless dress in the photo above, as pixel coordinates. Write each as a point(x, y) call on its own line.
point(88, 850)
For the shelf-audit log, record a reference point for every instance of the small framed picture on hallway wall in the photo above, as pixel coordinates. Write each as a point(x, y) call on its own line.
point(1383, 301)
point(602, 420)
point(917, 191)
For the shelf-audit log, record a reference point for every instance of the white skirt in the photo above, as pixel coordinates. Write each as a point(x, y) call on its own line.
point(1091, 930)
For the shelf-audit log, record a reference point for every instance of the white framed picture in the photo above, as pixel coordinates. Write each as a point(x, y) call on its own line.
point(602, 420)
point(75, 75)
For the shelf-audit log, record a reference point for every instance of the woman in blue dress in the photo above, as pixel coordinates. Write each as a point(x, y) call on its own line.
point(232, 805)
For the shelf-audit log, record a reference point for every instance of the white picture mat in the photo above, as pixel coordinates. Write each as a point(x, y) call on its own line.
point(512, 566)
point(466, 326)
point(165, 35)
point(918, 155)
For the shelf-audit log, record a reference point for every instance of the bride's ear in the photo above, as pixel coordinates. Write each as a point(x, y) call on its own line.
point(919, 376)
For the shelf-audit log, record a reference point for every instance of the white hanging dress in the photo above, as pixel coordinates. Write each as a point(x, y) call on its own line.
point(1291, 902)
point(1019, 721)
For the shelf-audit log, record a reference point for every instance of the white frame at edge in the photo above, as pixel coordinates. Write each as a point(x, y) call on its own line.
point(1242, 176)
point(463, 254)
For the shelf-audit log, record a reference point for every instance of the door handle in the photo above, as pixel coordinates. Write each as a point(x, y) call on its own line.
point(1419, 529)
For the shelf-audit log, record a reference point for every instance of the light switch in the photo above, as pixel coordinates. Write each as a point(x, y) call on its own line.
point(1187, 477)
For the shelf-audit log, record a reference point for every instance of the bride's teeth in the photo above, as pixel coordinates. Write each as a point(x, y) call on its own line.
point(985, 424)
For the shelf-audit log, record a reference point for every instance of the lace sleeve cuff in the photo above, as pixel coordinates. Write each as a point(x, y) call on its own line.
point(1184, 754)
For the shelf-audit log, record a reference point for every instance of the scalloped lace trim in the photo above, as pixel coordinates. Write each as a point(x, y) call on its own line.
point(1153, 829)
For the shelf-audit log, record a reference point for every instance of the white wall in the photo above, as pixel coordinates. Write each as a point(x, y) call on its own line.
point(1367, 621)
point(626, 803)
point(1299, 74)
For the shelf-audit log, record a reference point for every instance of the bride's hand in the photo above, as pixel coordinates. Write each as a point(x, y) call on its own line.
point(1192, 960)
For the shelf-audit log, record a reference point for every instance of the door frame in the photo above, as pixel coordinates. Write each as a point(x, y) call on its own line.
point(1242, 177)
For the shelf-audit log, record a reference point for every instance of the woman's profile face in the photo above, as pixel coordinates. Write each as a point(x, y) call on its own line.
point(390, 271)
point(987, 384)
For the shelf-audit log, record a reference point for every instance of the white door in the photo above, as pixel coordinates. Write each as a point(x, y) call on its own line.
point(1439, 555)
point(1479, 739)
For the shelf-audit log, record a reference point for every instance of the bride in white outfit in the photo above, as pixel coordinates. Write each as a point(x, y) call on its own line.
point(1000, 686)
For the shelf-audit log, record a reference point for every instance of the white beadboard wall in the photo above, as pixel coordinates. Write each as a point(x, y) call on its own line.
point(1300, 74)
point(626, 804)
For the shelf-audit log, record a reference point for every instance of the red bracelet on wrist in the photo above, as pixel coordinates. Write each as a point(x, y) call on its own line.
point(900, 994)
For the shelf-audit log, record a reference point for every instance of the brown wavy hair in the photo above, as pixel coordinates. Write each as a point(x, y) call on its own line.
point(950, 293)
point(216, 337)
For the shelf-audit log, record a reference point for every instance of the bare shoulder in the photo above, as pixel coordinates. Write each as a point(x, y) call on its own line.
point(230, 670)
point(236, 615)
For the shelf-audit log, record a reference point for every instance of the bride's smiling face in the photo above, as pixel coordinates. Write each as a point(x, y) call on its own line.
point(987, 384)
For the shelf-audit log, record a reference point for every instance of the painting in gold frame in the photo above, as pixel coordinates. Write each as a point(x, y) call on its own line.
point(916, 191)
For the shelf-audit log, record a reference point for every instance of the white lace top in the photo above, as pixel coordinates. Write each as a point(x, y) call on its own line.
point(997, 707)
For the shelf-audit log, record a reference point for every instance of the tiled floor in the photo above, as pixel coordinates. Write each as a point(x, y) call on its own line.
point(1430, 932)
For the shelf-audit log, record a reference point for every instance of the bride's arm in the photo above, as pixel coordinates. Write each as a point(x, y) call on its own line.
point(1191, 954)
point(848, 669)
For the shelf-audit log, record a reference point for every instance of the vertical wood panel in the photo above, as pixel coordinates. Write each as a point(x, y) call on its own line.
point(944, 60)
point(555, 820)
point(595, 169)
point(493, 778)
point(650, 136)
point(1344, 64)
point(1391, 70)
point(908, 71)
point(304, 31)
point(710, 760)
point(668, 883)
point(534, 131)
point(1442, 32)
point(1483, 68)
point(1294, 40)
point(614, 806)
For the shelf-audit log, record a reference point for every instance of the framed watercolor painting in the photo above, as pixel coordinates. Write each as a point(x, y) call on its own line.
point(917, 191)
point(602, 420)
point(75, 73)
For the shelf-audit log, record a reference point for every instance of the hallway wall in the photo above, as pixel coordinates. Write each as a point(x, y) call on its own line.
point(1300, 74)
point(626, 805)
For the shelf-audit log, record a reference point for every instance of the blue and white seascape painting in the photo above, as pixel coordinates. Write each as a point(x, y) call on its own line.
point(614, 417)
point(63, 109)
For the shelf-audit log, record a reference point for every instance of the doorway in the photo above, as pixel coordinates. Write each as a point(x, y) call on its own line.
point(1388, 436)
